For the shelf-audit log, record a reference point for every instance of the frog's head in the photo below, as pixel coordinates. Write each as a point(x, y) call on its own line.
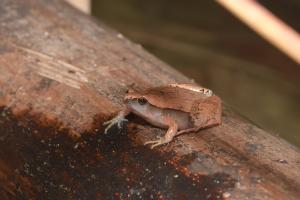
point(136, 100)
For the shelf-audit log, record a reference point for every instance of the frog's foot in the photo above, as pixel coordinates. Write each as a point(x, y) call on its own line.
point(117, 120)
point(158, 142)
point(168, 137)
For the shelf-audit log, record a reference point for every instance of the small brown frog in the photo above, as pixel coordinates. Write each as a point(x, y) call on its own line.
point(180, 108)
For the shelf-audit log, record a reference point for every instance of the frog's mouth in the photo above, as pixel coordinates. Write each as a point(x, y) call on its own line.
point(137, 106)
point(140, 100)
point(131, 97)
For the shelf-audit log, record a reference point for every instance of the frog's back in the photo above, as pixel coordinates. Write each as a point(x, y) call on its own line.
point(172, 97)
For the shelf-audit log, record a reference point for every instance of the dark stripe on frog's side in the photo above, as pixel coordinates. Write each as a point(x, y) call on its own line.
point(156, 116)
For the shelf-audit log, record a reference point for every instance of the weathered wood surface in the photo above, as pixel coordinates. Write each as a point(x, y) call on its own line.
point(62, 74)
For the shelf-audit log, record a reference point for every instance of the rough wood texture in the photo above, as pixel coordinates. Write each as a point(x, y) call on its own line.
point(62, 74)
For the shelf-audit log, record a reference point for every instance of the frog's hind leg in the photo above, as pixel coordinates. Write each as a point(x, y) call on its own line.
point(205, 113)
point(189, 130)
point(168, 137)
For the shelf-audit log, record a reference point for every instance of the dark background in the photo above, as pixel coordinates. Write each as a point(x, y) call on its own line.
point(204, 41)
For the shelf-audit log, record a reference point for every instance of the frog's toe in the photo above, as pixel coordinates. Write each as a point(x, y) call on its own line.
point(108, 127)
point(112, 122)
point(157, 142)
point(107, 122)
point(120, 121)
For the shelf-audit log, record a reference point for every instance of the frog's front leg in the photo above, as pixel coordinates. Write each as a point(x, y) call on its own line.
point(117, 120)
point(168, 137)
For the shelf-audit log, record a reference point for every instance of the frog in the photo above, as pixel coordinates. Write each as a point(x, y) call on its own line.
point(179, 108)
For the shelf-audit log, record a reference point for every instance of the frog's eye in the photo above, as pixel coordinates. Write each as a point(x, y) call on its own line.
point(142, 101)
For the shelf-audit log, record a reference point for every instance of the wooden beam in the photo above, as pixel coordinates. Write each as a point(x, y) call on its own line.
point(62, 75)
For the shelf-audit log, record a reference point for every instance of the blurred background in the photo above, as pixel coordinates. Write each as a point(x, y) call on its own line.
point(205, 42)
